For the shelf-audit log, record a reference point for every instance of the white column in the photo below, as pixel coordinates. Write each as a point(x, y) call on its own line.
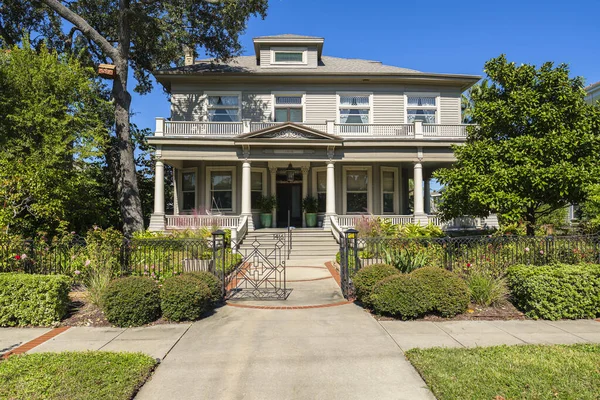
point(427, 193)
point(419, 216)
point(304, 191)
point(246, 194)
point(330, 195)
point(157, 219)
point(273, 171)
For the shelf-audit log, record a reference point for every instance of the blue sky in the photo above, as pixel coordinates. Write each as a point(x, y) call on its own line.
point(432, 36)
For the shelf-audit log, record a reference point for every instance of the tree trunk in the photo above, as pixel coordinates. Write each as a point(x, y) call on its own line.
point(127, 187)
point(530, 221)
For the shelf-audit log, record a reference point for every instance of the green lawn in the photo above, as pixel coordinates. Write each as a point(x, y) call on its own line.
point(74, 375)
point(511, 372)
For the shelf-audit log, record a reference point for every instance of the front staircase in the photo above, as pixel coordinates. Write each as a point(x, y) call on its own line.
point(306, 242)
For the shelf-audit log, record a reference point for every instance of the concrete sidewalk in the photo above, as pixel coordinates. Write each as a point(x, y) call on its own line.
point(423, 334)
point(11, 338)
point(156, 341)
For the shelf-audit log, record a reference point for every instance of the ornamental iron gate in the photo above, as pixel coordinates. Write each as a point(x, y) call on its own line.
point(260, 274)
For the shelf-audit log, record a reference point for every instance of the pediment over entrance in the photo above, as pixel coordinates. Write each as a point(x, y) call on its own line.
point(289, 131)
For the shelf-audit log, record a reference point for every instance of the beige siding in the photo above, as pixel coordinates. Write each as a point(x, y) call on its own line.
point(265, 56)
point(320, 107)
point(388, 108)
point(256, 106)
point(450, 108)
point(186, 106)
point(312, 57)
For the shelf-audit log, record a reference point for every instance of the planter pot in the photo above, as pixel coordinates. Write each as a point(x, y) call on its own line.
point(266, 220)
point(311, 220)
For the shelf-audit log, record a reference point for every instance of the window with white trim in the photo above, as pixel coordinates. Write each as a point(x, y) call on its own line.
point(421, 108)
point(291, 55)
point(258, 186)
point(354, 109)
point(321, 187)
point(188, 190)
point(289, 108)
point(221, 190)
point(389, 190)
point(223, 108)
point(357, 188)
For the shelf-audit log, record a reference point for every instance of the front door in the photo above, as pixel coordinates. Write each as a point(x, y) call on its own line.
point(289, 198)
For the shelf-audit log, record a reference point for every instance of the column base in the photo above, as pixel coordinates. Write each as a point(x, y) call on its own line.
point(420, 219)
point(157, 223)
point(250, 221)
point(327, 221)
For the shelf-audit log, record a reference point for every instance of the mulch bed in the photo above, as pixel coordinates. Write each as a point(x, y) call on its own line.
point(506, 311)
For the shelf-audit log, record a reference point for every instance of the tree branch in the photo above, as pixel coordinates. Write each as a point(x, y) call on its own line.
point(84, 27)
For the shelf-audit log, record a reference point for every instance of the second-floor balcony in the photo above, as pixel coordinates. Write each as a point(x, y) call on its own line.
point(416, 130)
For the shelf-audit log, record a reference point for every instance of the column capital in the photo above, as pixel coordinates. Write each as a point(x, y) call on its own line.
point(304, 170)
point(273, 170)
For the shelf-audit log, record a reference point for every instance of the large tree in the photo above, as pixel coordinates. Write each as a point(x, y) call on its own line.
point(144, 36)
point(535, 150)
point(52, 128)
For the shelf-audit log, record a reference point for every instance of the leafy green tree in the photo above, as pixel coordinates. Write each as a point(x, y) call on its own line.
point(591, 209)
point(51, 126)
point(536, 148)
point(144, 36)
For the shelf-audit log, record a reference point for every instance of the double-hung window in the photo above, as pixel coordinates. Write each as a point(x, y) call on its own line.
point(354, 109)
point(389, 190)
point(188, 190)
point(289, 108)
point(221, 190)
point(258, 185)
point(321, 190)
point(223, 108)
point(421, 108)
point(357, 185)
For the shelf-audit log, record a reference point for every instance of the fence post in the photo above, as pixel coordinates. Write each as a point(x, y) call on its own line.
point(219, 238)
point(348, 235)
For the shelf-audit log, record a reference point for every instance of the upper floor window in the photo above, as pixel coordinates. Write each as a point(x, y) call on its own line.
point(355, 109)
point(421, 108)
point(289, 108)
point(223, 108)
point(288, 55)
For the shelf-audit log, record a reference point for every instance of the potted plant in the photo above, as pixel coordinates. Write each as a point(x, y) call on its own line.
point(310, 205)
point(266, 204)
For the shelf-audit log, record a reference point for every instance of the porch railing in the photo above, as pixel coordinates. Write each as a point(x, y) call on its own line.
point(358, 130)
point(201, 221)
point(349, 221)
point(232, 129)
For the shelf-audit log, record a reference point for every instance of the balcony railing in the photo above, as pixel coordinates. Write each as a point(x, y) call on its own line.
point(201, 221)
point(232, 129)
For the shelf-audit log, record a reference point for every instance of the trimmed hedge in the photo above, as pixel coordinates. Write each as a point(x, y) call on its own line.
point(131, 301)
point(213, 283)
point(556, 291)
point(425, 290)
point(400, 296)
point(448, 294)
point(40, 300)
point(368, 277)
point(185, 298)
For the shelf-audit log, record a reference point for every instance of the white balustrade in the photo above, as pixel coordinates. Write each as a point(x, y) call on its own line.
point(349, 221)
point(257, 126)
point(202, 221)
point(317, 127)
point(188, 128)
point(379, 130)
point(445, 130)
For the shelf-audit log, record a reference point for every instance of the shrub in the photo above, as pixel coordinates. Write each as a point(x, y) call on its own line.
point(184, 298)
point(368, 277)
point(131, 301)
point(214, 284)
point(33, 299)
point(556, 291)
point(401, 296)
point(485, 289)
point(448, 294)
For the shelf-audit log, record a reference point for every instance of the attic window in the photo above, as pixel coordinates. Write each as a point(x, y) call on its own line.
point(288, 56)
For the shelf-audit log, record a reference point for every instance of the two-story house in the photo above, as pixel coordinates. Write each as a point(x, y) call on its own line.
point(291, 122)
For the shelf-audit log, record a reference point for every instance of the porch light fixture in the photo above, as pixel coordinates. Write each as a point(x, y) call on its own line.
point(290, 172)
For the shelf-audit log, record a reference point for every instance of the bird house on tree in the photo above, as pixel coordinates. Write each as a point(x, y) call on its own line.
point(107, 71)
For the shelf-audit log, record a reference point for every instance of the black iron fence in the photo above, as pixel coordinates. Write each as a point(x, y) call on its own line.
point(493, 254)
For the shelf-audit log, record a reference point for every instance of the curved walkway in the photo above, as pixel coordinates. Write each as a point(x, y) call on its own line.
point(321, 347)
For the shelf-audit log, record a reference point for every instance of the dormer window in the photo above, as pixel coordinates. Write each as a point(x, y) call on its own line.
point(288, 55)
